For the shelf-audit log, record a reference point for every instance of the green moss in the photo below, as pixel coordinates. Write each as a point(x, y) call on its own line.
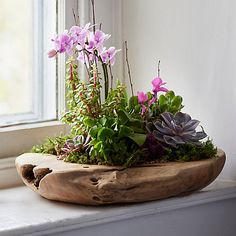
point(189, 152)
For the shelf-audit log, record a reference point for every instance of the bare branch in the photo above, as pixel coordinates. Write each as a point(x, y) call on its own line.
point(128, 68)
point(75, 17)
point(158, 69)
point(93, 12)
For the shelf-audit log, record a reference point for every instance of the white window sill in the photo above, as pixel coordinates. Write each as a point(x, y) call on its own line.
point(23, 212)
point(19, 139)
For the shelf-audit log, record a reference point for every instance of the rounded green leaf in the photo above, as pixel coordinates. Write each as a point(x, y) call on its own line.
point(89, 122)
point(105, 133)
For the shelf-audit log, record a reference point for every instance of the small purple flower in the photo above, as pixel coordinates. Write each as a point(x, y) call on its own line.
point(85, 58)
point(157, 85)
point(142, 97)
point(109, 55)
point(98, 38)
point(79, 34)
point(63, 43)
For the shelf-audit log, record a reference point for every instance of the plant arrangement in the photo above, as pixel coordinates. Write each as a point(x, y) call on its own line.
point(107, 126)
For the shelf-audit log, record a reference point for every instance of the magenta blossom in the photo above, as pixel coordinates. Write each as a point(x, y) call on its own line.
point(153, 100)
point(157, 85)
point(63, 43)
point(142, 97)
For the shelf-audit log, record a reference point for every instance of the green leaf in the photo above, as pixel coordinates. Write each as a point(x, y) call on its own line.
point(105, 133)
point(93, 131)
point(89, 122)
point(162, 100)
point(150, 95)
point(137, 129)
point(133, 101)
point(98, 146)
point(125, 131)
point(123, 116)
point(138, 138)
point(170, 95)
point(177, 100)
point(103, 120)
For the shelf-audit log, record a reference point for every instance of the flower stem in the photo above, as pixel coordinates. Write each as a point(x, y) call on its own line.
point(106, 84)
point(111, 74)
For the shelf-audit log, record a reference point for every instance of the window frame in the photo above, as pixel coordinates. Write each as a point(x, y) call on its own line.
point(18, 138)
point(42, 71)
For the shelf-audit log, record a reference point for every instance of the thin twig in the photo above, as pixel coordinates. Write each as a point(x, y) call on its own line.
point(158, 69)
point(93, 12)
point(111, 74)
point(75, 18)
point(128, 67)
point(100, 26)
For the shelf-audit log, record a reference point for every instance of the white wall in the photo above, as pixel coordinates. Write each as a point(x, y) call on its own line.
point(196, 43)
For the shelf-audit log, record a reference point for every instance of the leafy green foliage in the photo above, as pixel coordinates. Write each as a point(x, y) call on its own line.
point(116, 100)
point(83, 99)
point(169, 103)
point(51, 145)
point(117, 131)
point(115, 139)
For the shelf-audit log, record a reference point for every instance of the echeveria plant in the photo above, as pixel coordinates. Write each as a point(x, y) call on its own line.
point(109, 128)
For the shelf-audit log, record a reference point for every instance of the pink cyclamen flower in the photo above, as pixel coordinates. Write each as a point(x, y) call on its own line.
point(153, 100)
point(144, 109)
point(157, 85)
point(52, 53)
point(142, 97)
point(63, 43)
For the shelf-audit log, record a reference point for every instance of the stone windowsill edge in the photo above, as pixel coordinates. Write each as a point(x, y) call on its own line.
point(218, 191)
point(8, 174)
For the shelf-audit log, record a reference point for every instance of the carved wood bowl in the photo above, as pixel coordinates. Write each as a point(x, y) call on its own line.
point(98, 185)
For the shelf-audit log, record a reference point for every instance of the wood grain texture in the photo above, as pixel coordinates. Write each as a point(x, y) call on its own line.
point(98, 185)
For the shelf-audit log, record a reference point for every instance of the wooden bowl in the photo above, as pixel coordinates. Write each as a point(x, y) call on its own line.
point(98, 185)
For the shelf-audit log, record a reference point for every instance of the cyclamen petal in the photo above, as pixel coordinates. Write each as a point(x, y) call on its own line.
point(142, 97)
point(157, 84)
point(143, 109)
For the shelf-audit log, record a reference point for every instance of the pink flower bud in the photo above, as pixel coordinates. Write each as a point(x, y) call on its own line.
point(52, 53)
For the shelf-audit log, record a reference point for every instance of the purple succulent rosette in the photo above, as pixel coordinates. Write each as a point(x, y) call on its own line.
point(177, 129)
